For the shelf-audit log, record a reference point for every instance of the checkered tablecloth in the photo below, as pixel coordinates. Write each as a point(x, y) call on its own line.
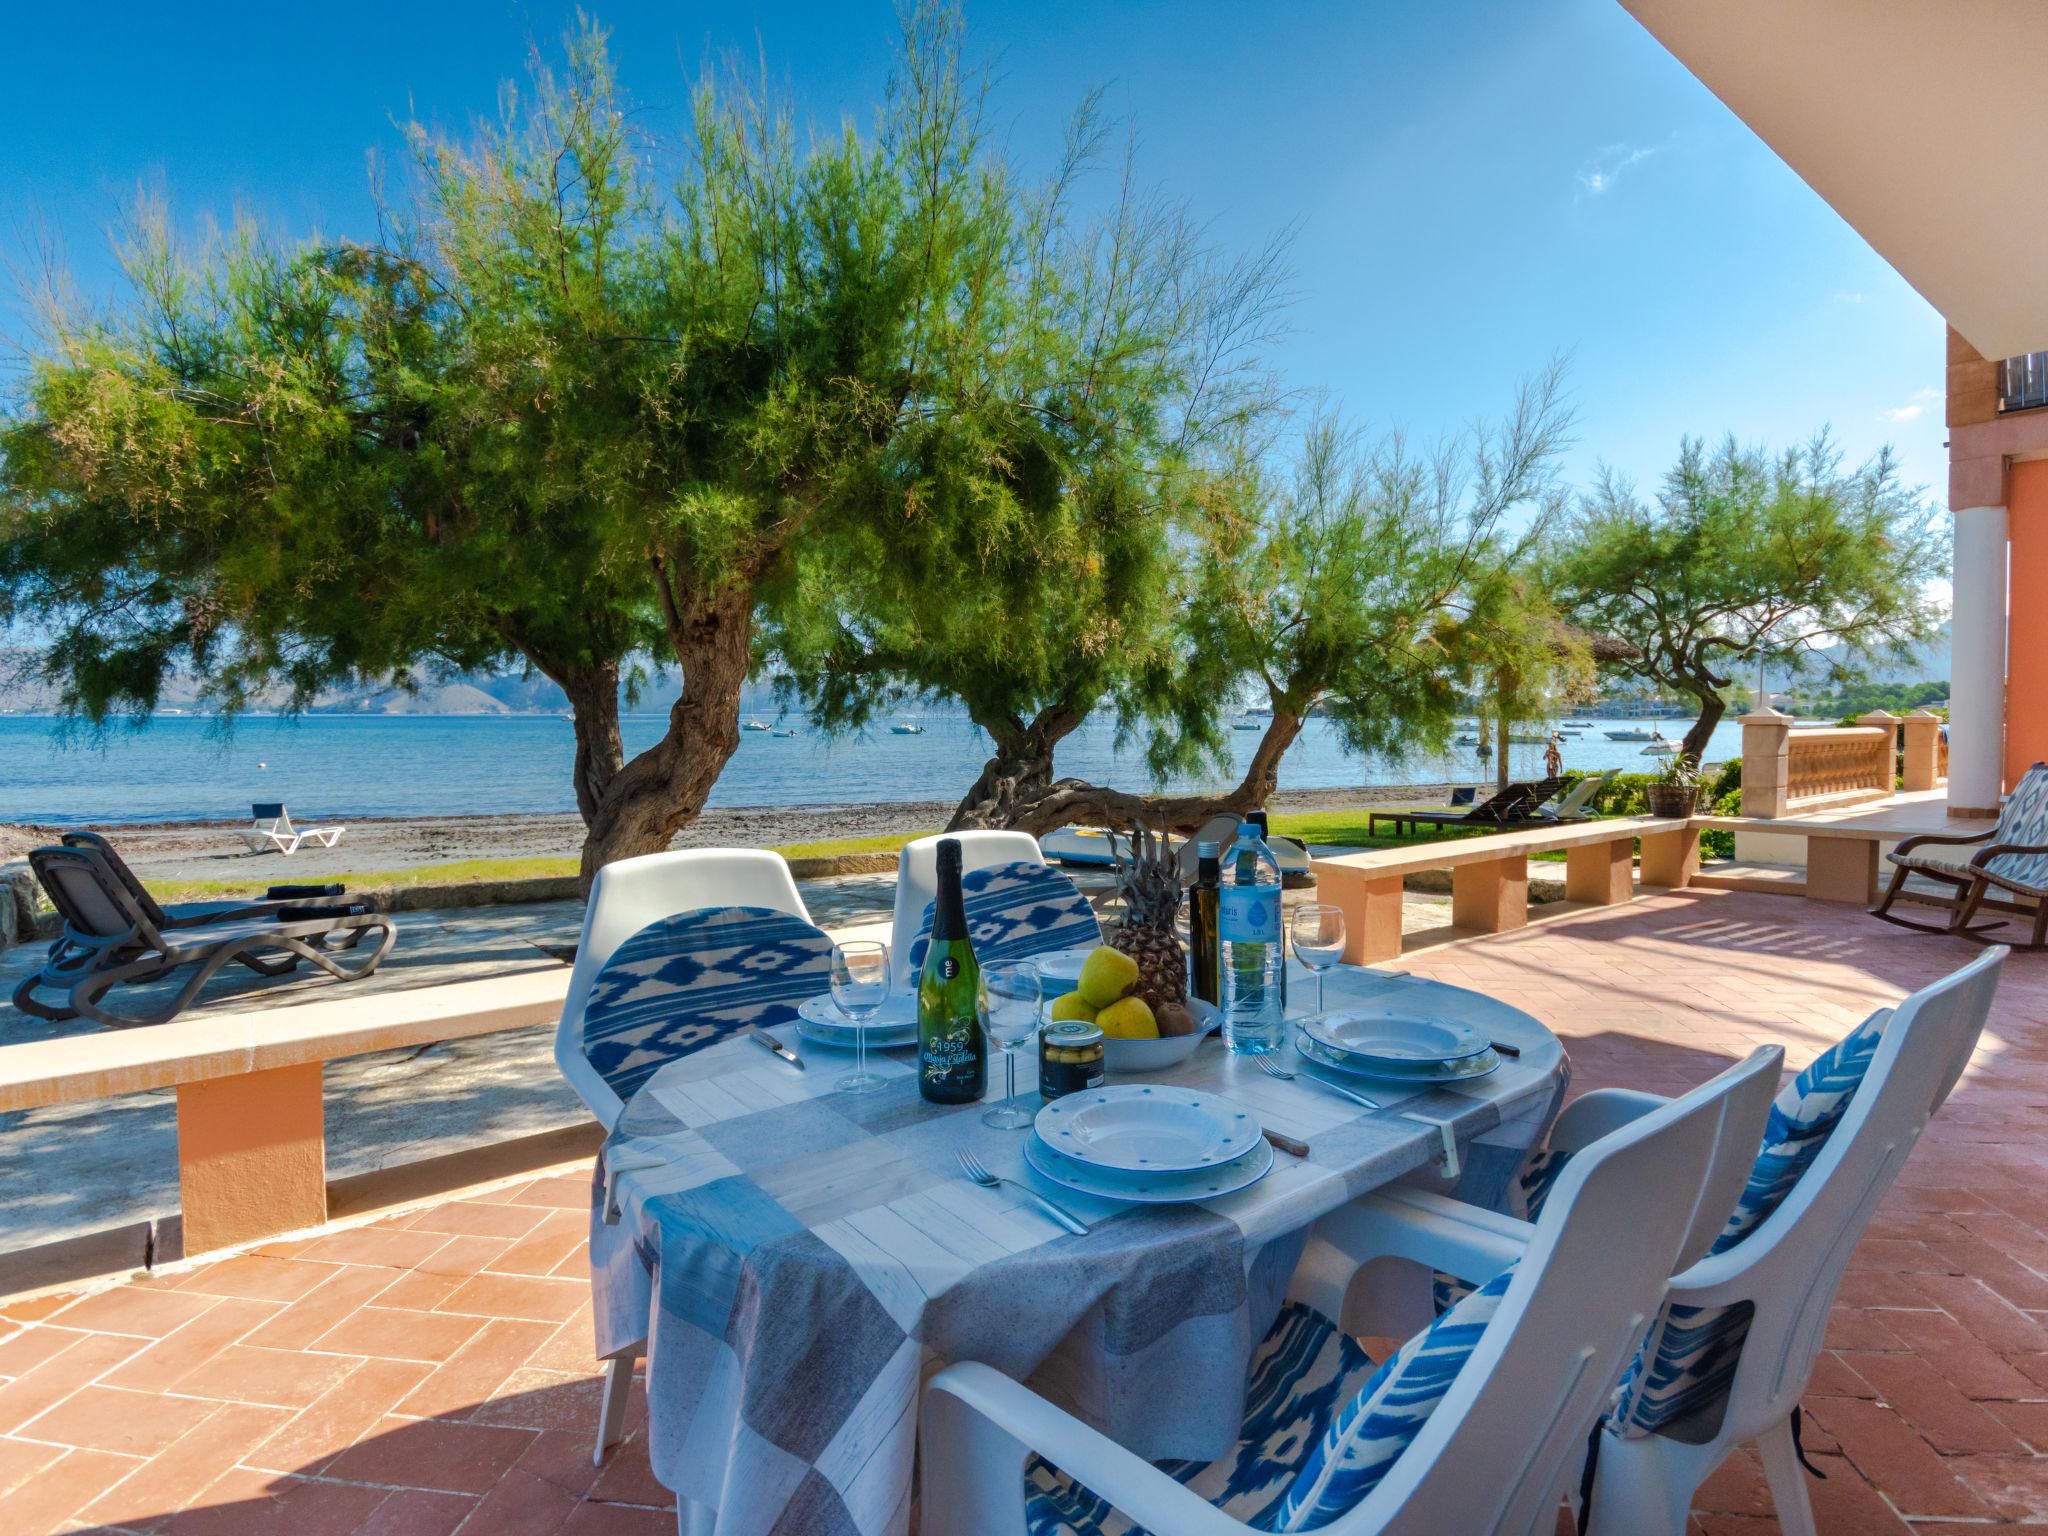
point(797, 1259)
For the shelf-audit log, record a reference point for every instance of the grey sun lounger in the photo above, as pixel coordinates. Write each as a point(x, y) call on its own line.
point(1514, 806)
point(195, 914)
point(109, 941)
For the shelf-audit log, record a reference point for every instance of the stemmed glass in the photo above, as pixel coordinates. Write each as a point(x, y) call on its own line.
point(1009, 1012)
point(860, 985)
point(1318, 933)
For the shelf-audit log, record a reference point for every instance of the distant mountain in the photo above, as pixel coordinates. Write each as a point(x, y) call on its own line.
point(474, 693)
point(1927, 664)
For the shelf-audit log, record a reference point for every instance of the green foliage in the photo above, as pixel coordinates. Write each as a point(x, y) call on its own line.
point(1112, 346)
point(1743, 555)
point(1861, 698)
point(595, 396)
point(1368, 580)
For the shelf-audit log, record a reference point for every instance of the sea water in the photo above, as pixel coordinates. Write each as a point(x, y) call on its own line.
point(184, 767)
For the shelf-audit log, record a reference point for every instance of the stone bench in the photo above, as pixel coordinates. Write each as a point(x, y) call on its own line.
point(1490, 875)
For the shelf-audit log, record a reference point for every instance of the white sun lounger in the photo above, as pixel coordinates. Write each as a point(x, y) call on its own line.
point(272, 828)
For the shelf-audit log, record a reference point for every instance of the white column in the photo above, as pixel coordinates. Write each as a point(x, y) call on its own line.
point(1976, 732)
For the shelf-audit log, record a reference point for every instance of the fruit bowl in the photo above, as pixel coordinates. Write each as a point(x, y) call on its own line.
point(1121, 1056)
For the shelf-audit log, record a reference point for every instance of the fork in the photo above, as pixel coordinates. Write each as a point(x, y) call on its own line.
point(976, 1170)
point(1273, 1068)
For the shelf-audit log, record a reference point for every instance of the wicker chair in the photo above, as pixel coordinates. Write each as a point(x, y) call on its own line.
point(2008, 874)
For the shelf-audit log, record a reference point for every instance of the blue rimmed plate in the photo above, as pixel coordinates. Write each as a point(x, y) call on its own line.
point(1150, 1188)
point(1148, 1128)
point(1391, 1037)
point(1424, 1075)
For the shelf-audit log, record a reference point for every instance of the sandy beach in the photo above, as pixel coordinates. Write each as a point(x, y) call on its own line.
point(208, 850)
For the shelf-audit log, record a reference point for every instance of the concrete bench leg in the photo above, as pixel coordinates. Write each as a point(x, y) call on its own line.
point(1841, 869)
point(1600, 873)
point(1671, 859)
point(252, 1156)
point(1372, 913)
point(1491, 897)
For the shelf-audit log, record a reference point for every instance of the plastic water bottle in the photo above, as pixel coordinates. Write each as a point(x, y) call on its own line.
point(1254, 953)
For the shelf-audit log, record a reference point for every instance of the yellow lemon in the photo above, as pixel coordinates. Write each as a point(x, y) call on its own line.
point(1129, 1019)
point(1106, 975)
point(1072, 1005)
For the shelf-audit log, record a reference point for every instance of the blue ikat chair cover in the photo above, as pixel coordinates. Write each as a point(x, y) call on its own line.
point(1687, 1362)
point(2023, 821)
point(1015, 911)
point(692, 979)
point(1322, 1426)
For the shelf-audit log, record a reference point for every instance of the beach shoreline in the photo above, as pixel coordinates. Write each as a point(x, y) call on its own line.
point(209, 849)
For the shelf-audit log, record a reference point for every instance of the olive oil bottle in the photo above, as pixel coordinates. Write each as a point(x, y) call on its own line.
point(1205, 954)
point(952, 1052)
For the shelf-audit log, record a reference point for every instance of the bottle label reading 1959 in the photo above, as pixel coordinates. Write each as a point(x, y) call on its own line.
point(1250, 914)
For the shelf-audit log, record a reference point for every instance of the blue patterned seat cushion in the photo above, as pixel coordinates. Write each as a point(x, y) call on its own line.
point(1688, 1360)
point(1015, 911)
point(2023, 820)
point(686, 981)
point(1321, 1427)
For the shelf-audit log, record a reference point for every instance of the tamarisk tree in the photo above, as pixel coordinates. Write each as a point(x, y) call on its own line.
point(1746, 556)
point(1134, 345)
point(590, 397)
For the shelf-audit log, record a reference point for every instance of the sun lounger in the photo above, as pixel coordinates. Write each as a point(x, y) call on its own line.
point(109, 940)
point(1511, 807)
point(272, 828)
point(195, 914)
point(1576, 804)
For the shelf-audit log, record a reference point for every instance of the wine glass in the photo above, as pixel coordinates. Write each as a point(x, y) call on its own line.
point(860, 985)
point(1009, 1012)
point(1318, 933)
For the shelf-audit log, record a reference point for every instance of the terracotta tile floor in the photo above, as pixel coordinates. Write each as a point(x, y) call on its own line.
point(432, 1372)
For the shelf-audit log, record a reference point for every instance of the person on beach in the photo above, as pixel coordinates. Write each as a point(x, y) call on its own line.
point(1553, 759)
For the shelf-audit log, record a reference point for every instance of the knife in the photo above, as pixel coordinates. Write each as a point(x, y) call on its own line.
point(1286, 1143)
point(766, 1041)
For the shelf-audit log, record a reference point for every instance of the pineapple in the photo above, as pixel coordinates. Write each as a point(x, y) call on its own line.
point(1148, 879)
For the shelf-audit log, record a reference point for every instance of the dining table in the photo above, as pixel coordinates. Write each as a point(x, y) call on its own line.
point(798, 1260)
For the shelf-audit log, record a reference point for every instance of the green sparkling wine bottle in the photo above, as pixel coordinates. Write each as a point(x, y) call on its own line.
point(952, 1052)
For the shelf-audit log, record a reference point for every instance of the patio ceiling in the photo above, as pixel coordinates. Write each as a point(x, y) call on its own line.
point(1915, 123)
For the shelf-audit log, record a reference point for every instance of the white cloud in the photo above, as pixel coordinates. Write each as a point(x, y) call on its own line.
point(1598, 175)
point(1913, 409)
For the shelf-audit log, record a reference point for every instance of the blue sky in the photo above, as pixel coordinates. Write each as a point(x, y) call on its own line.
point(1474, 186)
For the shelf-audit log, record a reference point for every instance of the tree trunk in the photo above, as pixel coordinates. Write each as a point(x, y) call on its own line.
point(1020, 773)
point(1711, 709)
point(1075, 800)
point(662, 790)
point(600, 752)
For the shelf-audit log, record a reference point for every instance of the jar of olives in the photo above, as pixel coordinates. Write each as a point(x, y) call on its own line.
point(1069, 1057)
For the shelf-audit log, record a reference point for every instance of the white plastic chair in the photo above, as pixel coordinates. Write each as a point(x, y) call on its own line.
point(1496, 1453)
point(1790, 1267)
point(1787, 1269)
point(627, 896)
point(917, 883)
point(624, 898)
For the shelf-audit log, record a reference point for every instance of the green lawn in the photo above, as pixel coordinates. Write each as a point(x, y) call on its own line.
point(468, 871)
point(1347, 828)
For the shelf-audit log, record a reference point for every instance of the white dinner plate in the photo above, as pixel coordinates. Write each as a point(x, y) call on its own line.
point(1429, 1074)
point(840, 1038)
point(1392, 1037)
point(1148, 1128)
point(898, 1012)
point(1151, 1188)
